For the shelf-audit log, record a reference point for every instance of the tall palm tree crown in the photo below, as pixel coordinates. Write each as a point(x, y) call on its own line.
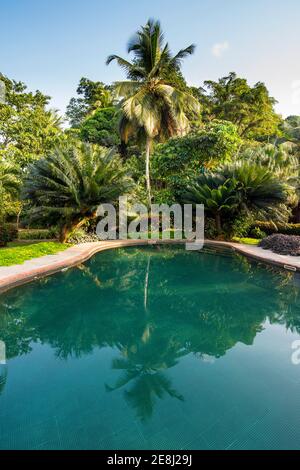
point(151, 102)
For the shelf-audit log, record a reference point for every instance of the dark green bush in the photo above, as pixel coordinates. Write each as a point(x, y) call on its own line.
point(101, 128)
point(256, 232)
point(210, 229)
point(8, 232)
point(37, 234)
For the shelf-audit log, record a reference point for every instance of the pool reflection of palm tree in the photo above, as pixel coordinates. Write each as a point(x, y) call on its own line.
point(143, 368)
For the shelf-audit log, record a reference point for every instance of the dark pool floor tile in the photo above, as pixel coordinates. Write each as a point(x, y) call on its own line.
point(198, 443)
point(162, 441)
point(270, 433)
point(30, 437)
point(130, 439)
point(229, 428)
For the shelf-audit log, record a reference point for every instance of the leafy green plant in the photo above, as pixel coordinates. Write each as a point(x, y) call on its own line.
point(70, 184)
point(101, 128)
point(274, 227)
point(236, 191)
point(240, 226)
point(8, 232)
point(217, 195)
point(37, 234)
point(256, 232)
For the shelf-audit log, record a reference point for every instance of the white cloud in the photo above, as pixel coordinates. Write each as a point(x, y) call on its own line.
point(219, 48)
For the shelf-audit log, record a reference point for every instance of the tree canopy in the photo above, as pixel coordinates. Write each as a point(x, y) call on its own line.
point(232, 99)
point(28, 130)
point(92, 96)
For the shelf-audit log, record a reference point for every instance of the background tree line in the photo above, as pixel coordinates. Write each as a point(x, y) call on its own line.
point(170, 143)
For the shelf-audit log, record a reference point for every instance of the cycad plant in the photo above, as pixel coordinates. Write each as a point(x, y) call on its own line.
point(70, 184)
point(260, 190)
point(218, 195)
point(239, 188)
point(152, 104)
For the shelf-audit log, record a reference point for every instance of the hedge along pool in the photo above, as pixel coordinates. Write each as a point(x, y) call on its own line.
point(152, 348)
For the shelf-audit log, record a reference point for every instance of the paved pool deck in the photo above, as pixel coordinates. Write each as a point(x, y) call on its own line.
point(12, 276)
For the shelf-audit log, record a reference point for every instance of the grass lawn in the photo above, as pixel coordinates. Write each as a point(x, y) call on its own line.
point(17, 253)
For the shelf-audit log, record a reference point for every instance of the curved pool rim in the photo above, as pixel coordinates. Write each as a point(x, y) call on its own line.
point(13, 276)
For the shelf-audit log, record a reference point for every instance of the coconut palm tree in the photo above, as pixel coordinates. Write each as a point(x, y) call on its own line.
point(152, 103)
point(70, 184)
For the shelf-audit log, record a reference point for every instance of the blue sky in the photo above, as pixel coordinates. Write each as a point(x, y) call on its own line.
point(50, 44)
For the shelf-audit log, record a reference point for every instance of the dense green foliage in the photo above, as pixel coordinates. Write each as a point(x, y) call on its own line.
point(179, 159)
point(8, 233)
point(276, 227)
point(92, 96)
point(101, 128)
point(222, 145)
point(238, 189)
point(71, 182)
point(28, 130)
point(251, 109)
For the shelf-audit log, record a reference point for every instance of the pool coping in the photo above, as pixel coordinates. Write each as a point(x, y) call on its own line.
point(13, 276)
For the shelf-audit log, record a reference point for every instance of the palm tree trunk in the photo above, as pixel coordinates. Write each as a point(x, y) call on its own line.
point(70, 226)
point(148, 147)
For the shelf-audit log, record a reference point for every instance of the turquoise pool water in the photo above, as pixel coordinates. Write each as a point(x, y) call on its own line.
point(152, 348)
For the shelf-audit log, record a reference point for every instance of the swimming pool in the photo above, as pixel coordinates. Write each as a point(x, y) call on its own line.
point(152, 348)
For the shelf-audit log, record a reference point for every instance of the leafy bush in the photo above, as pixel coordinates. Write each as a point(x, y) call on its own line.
point(271, 227)
point(181, 158)
point(282, 244)
point(210, 228)
point(8, 232)
point(81, 236)
point(101, 128)
point(37, 234)
point(256, 232)
point(240, 227)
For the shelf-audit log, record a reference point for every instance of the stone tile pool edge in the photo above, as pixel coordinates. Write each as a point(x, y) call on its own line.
point(13, 276)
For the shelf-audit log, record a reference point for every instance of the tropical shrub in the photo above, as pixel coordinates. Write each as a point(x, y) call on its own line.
point(8, 232)
point(219, 196)
point(37, 234)
point(210, 229)
point(240, 226)
point(236, 191)
point(259, 190)
point(80, 235)
point(72, 182)
point(282, 244)
point(256, 232)
point(176, 161)
point(271, 227)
